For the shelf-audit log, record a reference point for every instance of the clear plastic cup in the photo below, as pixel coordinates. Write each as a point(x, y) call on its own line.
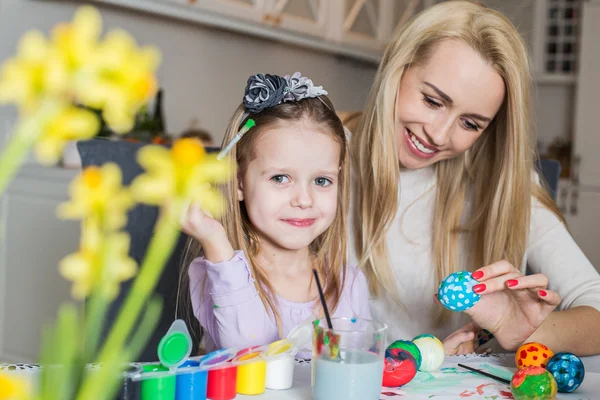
point(348, 359)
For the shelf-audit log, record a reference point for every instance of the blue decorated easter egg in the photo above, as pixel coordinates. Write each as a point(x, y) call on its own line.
point(456, 291)
point(568, 371)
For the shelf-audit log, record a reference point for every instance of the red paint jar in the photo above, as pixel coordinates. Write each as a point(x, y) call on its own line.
point(222, 383)
point(222, 374)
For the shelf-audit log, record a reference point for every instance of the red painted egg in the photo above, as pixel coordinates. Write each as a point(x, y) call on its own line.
point(399, 368)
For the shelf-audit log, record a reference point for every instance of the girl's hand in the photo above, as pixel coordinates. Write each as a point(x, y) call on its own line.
point(512, 306)
point(461, 341)
point(201, 225)
point(209, 232)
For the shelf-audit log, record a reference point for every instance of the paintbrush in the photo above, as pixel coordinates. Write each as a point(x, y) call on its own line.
point(323, 302)
point(478, 371)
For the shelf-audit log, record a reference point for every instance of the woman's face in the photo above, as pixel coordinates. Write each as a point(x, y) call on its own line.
point(443, 106)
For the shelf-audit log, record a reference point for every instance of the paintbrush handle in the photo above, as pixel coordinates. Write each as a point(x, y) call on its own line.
point(478, 371)
point(323, 302)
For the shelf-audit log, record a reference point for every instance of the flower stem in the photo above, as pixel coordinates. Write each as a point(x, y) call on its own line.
point(16, 151)
point(161, 246)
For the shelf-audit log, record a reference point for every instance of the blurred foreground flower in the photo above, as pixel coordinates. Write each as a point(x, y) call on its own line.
point(179, 175)
point(101, 202)
point(13, 388)
point(51, 81)
point(97, 194)
point(119, 79)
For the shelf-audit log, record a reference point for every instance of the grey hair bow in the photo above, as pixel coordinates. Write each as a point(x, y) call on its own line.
point(265, 91)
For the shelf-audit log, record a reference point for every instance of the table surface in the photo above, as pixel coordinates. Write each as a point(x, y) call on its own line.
point(448, 383)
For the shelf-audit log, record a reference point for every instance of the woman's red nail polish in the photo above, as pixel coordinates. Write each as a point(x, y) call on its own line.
point(477, 275)
point(512, 282)
point(543, 293)
point(479, 288)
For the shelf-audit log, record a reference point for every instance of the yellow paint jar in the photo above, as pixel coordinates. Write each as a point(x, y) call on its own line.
point(252, 373)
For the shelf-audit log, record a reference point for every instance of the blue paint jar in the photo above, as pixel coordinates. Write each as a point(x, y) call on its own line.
point(192, 385)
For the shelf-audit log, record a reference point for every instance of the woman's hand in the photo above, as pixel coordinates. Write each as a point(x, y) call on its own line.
point(512, 306)
point(209, 232)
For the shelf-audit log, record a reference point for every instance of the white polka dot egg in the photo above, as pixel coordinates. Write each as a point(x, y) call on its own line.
point(456, 291)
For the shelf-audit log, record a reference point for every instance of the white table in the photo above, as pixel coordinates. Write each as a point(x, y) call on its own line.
point(446, 384)
point(425, 385)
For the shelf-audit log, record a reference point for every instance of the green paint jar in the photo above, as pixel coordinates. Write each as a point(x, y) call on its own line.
point(158, 387)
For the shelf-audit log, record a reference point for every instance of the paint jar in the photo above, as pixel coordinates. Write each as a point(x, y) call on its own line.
point(252, 371)
point(191, 385)
point(157, 387)
point(280, 365)
point(348, 359)
point(222, 374)
point(130, 389)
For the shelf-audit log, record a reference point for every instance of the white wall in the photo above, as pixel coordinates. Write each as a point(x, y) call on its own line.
point(204, 70)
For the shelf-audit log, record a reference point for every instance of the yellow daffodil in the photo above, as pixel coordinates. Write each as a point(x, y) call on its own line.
point(46, 68)
point(100, 261)
point(76, 42)
point(67, 123)
point(13, 388)
point(97, 194)
point(119, 80)
point(36, 72)
point(180, 174)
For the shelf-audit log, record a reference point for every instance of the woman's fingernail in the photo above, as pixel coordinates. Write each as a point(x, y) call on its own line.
point(512, 282)
point(477, 275)
point(542, 293)
point(479, 288)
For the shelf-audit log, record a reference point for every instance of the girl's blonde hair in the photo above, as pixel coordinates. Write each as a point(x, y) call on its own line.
point(330, 247)
point(496, 173)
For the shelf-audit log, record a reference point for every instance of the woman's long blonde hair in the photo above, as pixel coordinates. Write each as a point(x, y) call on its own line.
point(330, 247)
point(496, 173)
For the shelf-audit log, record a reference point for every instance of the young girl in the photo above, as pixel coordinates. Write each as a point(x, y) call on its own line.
point(285, 215)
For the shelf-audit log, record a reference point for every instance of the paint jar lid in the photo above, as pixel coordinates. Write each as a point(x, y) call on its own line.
point(218, 359)
point(301, 336)
point(176, 346)
point(280, 349)
point(251, 355)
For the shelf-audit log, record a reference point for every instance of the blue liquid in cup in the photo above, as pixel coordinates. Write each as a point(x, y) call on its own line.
point(356, 376)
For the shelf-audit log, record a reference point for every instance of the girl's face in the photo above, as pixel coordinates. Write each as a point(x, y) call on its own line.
point(444, 106)
point(290, 188)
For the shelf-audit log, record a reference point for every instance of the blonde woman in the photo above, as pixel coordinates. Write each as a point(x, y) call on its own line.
point(443, 163)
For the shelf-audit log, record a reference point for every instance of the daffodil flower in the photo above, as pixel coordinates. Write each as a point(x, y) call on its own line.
point(97, 194)
point(181, 174)
point(36, 72)
point(77, 42)
point(102, 262)
point(13, 388)
point(119, 79)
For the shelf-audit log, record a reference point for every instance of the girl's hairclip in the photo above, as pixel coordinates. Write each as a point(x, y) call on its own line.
point(265, 91)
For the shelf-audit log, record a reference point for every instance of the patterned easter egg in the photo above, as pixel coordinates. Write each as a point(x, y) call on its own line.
point(456, 291)
point(399, 368)
point(533, 383)
point(432, 352)
point(405, 345)
point(533, 354)
point(568, 371)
